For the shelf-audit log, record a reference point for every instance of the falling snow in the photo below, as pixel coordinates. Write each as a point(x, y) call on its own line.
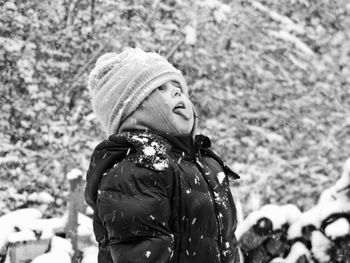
point(147, 254)
point(221, 176)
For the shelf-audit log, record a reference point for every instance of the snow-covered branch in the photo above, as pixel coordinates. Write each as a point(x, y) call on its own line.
point(286, 22)
point(298, 43)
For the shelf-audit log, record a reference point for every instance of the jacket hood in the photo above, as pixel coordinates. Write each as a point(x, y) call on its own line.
point(104, 156)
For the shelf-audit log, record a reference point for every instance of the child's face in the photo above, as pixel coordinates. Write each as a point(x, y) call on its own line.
point(167, 109)
point(179, 105)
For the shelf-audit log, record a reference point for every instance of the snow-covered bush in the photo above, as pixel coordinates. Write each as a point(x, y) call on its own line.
point(282, 234)
point(27, 224)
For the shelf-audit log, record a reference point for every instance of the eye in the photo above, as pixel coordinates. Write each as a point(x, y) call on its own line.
point(162, 87)
point(176, 84)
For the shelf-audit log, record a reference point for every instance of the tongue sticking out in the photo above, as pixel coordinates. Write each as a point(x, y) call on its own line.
point(181, 110)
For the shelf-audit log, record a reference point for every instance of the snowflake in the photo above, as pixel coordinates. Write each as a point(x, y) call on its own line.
point(221, 177)
point(149, 150)
point(160, 166)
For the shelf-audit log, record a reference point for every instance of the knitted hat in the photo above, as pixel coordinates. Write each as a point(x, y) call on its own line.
point(120, 82)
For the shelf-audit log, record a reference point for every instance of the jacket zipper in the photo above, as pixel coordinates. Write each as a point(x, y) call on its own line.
point(218, 220)
point(179, 201)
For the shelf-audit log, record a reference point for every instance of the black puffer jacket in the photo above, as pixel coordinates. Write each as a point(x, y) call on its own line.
point(161, 198)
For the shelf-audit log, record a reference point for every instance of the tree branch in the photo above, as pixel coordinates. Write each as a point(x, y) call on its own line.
point(177, 45)
point(93, 58)
point(285, 21)
point(92, 17)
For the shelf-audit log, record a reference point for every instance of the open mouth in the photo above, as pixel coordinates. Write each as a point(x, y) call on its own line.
point(182, 110)
point(179, 106)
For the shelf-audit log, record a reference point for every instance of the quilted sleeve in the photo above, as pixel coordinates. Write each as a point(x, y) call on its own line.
point(134, 207)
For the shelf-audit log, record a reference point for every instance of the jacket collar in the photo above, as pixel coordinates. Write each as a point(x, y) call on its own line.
point(183, 144)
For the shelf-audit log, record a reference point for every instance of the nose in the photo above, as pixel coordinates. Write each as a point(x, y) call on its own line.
point(177, 93)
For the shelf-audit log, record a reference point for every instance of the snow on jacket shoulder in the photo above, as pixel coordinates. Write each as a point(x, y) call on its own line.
point(161, 198)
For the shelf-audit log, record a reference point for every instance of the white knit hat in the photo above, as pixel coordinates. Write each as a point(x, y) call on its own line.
point(120, 82)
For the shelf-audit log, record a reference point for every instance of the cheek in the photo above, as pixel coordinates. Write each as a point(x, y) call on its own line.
point(166, 99)
point(166, 95)
point(190, 112)
point(189, 106)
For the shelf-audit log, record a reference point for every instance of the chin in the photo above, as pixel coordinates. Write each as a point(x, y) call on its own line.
point(185, 129)
point(184, 126)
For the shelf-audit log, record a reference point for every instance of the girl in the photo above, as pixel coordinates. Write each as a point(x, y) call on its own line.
point(158, 191)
